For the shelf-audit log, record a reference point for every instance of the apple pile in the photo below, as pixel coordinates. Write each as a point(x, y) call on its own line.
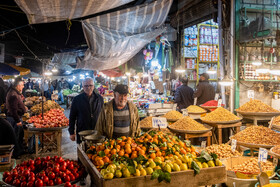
point(47, 171)
point(52, 118)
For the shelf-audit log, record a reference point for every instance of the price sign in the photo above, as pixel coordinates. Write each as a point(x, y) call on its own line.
point(159, 122)
point(195, 101)
point(275, 161)
point(233, 144)
point(251, 94)
point(217, 96)
point(262, 155)
point(185, 112)
point(220, 102)
point(203, 144)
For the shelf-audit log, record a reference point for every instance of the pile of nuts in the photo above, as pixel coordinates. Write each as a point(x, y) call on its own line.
point(147, 122)
point(222, 151)
point(276, 121)
point(255, 105)
point(276, 149)
point(258, 135)
point(173, 115)
point(187, 123)
point(220, 114)
point(251, 166)
point(195, 109)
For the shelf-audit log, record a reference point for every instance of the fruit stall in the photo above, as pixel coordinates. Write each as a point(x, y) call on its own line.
point(153, 159)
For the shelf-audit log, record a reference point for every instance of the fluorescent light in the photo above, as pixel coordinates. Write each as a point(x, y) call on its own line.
point(87, 74)
point(275, 72)
point(211, 70)
point(257, 63)
point(124, 77)
point(180, 70)
point(128, 74)
point(262, 70)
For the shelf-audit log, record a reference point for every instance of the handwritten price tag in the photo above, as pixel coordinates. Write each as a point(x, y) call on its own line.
point(262, 155)
point(251, 94)
point(203, 144)
point(233, 144)
point(217, 96)
point(195, 101)
point(159, 122)
point(220, 102)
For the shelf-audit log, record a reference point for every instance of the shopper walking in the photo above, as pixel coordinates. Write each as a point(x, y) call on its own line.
point(205, 91)
point(85, 110)
point(184, 95)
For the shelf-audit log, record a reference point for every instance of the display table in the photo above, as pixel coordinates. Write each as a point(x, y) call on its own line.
point(206, 134)
point(235, 127)
point(7, 167)
point(50, 140)
point(207, 176)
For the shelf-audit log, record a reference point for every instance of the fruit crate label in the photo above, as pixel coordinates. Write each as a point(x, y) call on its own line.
point(203, 144)
point(233, 144)
point(159, 122)
point(195, 101)
point(216, 96)
point(262, 155)
point(251, 94)
point(220, 102)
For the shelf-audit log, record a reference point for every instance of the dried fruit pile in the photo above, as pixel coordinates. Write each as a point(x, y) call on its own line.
point(256, 106)
point(187, 123)
point(276, 149)
point(258, 135)
point(53, 118)
point(276, 121)
point(222, 151)
point(173, 115)
point(47, 171)
point(211, 103)
point(251, 167)
point(220, 114)
point(153, 153)
point(195, 109)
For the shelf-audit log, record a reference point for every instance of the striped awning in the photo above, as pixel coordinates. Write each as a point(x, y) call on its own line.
point(42, 11)
point(116, 37)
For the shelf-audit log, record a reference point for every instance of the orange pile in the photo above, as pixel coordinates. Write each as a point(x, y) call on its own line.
point(150, 145)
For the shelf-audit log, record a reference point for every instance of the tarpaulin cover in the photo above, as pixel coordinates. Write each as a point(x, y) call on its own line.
point(116, 37)
point(5, 69)
point(64, 60)
point(44, 11)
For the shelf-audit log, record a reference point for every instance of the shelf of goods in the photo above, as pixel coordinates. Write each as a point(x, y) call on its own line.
point(112, 163)
point(200, 48)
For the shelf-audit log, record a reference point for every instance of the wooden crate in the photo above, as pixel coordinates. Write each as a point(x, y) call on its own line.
point(207, 176)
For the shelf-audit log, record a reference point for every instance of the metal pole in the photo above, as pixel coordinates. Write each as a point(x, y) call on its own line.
point(221, 49)
point(42, 90)
point(232, 53)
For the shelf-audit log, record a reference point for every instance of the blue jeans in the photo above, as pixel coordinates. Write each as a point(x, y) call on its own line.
point(60, 95)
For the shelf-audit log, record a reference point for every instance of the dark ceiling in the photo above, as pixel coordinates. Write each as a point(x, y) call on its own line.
point(42, 39)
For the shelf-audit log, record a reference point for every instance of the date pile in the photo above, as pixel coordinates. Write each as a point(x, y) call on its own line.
point(47, 171)
point(52, 118)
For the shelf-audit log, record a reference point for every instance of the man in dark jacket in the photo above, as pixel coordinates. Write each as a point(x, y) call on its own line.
point(2, 93)
point(16, 109)
point(205, 91)
point(85, 110)
point(184, 95)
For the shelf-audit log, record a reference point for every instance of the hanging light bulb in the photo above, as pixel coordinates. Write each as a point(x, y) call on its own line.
point(54, 69)
point(226, 81)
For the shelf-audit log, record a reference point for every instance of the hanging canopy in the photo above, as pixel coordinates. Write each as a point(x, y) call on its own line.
point(22, 71)
point(116, 37)
point(5, 69)
point(40, 11)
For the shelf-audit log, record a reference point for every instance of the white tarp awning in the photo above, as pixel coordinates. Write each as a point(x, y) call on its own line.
point(116, 37)
point(45, 11)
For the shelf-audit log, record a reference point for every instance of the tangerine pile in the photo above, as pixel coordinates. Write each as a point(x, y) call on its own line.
point(150, 145)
